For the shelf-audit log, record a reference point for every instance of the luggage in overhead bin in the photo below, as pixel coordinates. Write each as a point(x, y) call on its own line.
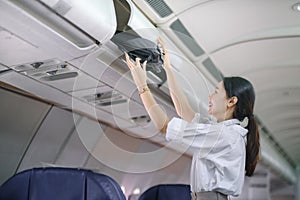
point(137, 46)
point(146, 50)
point(130, 37)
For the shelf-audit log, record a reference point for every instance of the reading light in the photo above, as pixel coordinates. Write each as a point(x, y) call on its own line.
point(296, 7)
point(136, 191)
point(123, 189)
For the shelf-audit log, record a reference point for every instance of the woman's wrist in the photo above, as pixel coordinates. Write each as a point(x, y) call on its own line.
point(169, 70)
point(139, 87)
point(144, 89)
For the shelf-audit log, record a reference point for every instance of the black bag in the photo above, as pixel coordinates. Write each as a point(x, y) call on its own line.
point(146, 50)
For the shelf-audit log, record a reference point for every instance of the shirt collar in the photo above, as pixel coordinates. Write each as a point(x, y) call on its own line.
point(231, 122)
point(243, 131)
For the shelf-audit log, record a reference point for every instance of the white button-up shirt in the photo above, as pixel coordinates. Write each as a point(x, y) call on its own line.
point(219, 153)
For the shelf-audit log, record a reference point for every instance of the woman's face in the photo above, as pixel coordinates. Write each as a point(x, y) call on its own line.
point(218, 102)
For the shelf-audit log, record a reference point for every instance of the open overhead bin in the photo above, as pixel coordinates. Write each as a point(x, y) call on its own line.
point(62, 29)
point(94, 17)
point(136, 36)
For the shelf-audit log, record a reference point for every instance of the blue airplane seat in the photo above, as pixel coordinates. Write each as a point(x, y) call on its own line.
point(167, 192)
point(60, 184)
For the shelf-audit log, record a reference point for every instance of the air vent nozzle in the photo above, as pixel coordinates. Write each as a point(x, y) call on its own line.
point(141, 120)
point(54, 77)
point(160, 7)
point(106, 98)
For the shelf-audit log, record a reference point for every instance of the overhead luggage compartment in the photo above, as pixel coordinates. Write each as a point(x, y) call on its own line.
point(136, 36)
point(95, 17)
point(59, 29)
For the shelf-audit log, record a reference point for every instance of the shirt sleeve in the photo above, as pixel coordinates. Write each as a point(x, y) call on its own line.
point(198, 136)
point(179, 129)
point(201, 118)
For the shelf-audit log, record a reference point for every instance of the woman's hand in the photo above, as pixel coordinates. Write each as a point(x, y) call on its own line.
point(138, 73)
point(165, 53)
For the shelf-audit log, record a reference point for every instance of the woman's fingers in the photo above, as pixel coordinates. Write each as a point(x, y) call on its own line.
point(137, 62)
point(164, 52)
point(163, 46)
point(144, 65)
point(160, 41)
point(129, 63)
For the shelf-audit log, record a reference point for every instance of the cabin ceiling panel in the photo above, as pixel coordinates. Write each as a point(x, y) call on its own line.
point(289, 135)
point(14, 50)
point(277, 98)
point(293, 151)
point(277, 126)
point(250, 57)
point(289, 140)
point(279, 108)
point(277, 105)
point(275, 78)
point(217, 24)
point(179, 6)
point(280, 123)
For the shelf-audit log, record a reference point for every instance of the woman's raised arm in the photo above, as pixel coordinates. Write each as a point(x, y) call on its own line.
point(182, 106)
point(157, 115)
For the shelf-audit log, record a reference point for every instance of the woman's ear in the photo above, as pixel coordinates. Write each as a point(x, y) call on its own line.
point(232, 101)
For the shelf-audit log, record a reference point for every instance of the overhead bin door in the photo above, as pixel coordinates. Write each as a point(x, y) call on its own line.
point(33, 30)
point(95, 17)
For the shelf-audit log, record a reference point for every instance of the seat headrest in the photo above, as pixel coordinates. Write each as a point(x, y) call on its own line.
point(167, 192)
point(60, 183)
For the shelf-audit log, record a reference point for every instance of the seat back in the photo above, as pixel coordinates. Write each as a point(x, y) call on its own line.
point(60, 184)
point(167, 192)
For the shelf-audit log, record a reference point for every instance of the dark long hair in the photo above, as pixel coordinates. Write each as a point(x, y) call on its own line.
point(244, 91)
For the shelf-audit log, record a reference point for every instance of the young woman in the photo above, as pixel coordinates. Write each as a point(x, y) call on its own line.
point(227, 148)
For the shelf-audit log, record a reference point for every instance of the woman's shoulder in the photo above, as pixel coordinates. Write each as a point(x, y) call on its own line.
point(203, 119)
point(234, 130)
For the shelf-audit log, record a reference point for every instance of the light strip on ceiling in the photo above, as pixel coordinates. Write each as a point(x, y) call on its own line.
point(160, 7)
point(213, 70)
point(186, 38)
